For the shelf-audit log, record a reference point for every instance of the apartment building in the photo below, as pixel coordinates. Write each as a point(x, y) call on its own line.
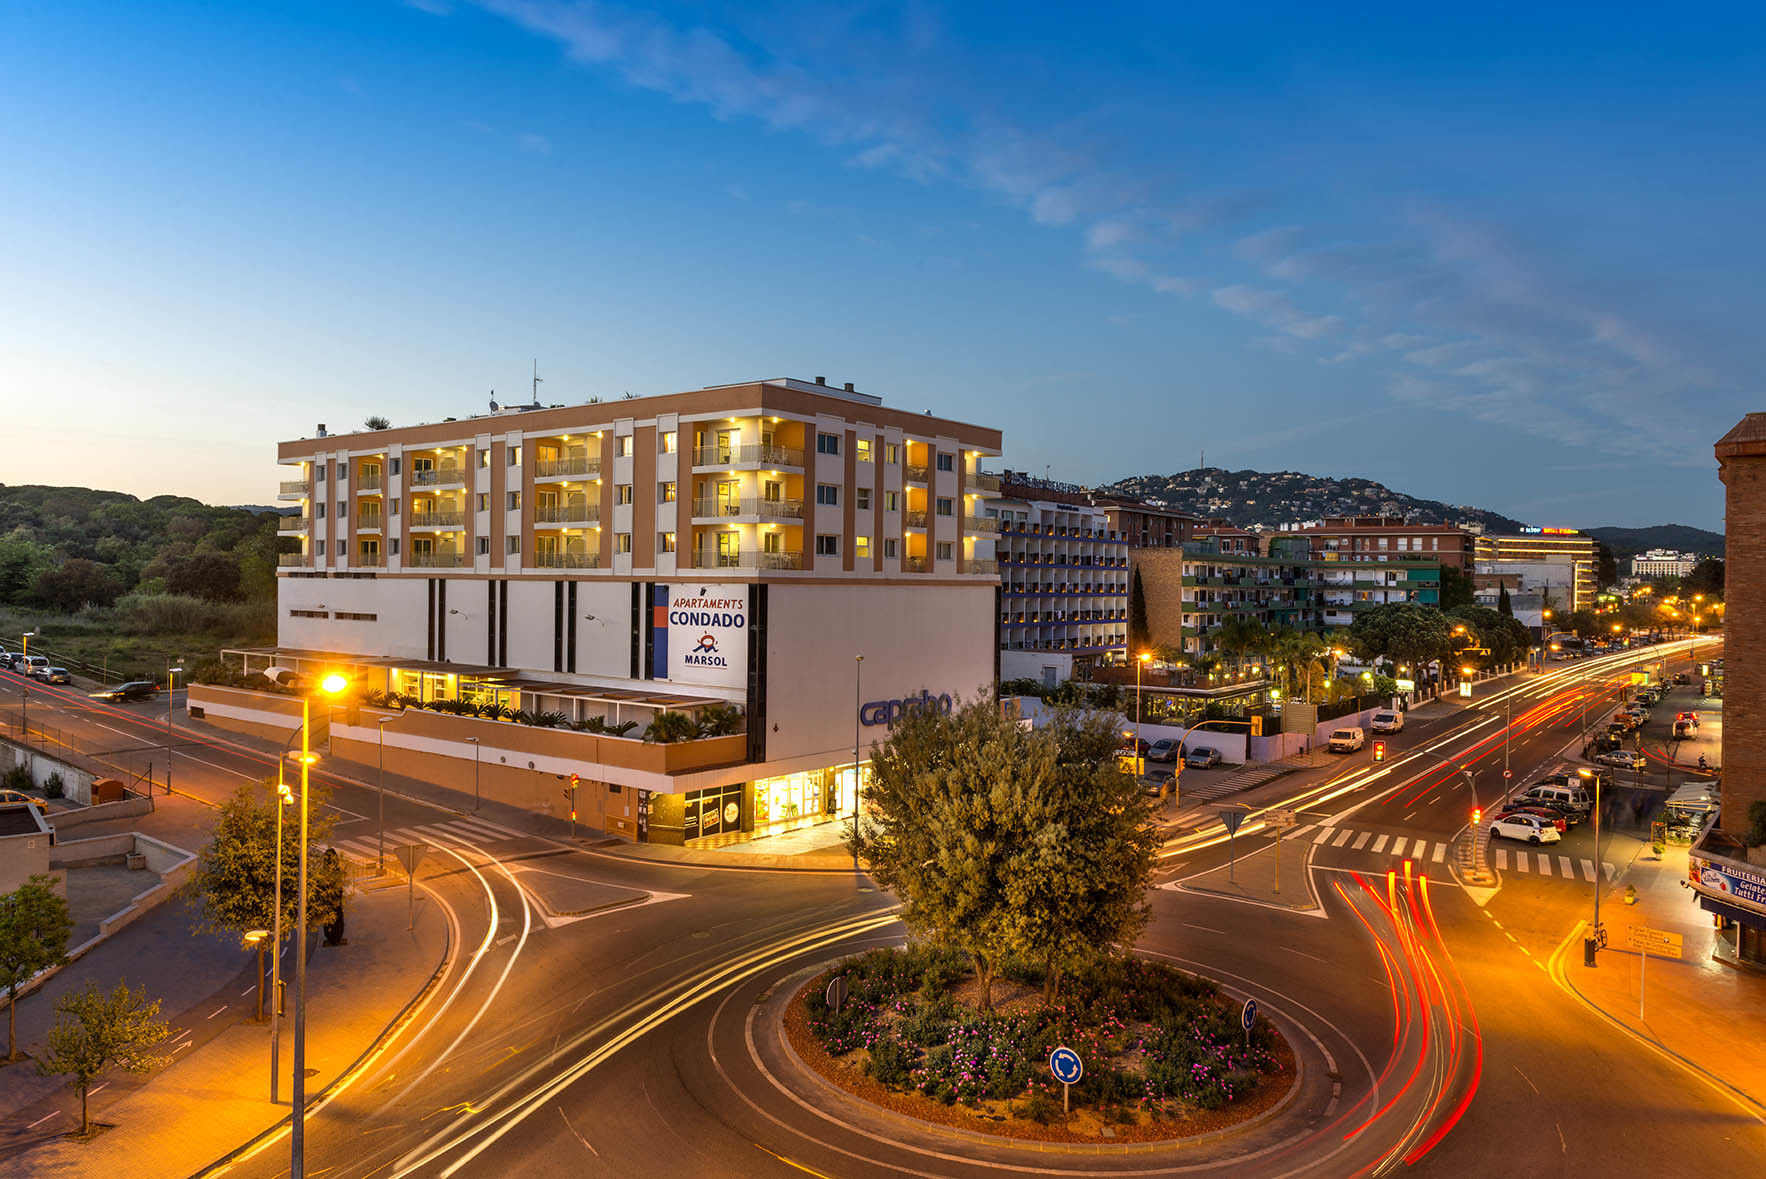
point(739, 545)
point(1144, 525)
point(1388, 538)
point(1538, 545)
point(1063, 582)
point(1663, 563)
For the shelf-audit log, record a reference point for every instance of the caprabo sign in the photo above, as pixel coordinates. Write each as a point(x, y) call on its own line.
point(887, 712)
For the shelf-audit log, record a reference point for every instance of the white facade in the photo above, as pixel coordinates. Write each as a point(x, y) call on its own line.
point(1063, 586)
point(1663, 563)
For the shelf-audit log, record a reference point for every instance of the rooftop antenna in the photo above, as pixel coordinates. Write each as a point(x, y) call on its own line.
point(494, 405)
point(536, 380)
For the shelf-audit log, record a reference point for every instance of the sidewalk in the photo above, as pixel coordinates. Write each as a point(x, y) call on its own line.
point(1710, 1014)
point(215, 1098)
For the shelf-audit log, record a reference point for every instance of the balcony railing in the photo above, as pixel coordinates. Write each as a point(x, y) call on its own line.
point(755, 454)
point(778, 509)
point(444, 519)
point(969, 566)
point(914, 564)
point(368, 483)
point(436, 560)
point(292, 560)
point(368, 522)
point(564, 468)
point(567, 560)
point(913, 519)
point(293, 524)
point(438, 476)
point(917, 474)
point(980, 524)
point(752, 559)
point(367, 561)
point(984, 481)
point(295, 487)
point(568, 514)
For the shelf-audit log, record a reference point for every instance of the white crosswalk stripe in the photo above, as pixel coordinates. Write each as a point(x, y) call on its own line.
point(1565, 867)
point(1440, 852)
point(1345, 837)
point(1544, 864)
point(1502, 859)
point(1324, 833)
point(1588, 869)
point(366, 847)
point(1361, 840)
point(1418, 848)
point(1380, 843)
point(1534, 863)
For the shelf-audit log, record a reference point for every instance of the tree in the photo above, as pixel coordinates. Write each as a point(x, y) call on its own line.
point(1503, 603)
point(1402, 632)
point(1000, 841)
point(94, 1031)
point(1706, 578)
point(1456, 588)
point(211, 576)
point(76, 583)
point(1138, 632)
point(234, 884)
point(1237, 637)
point(34, 928)
point(1505, 638)
point(376, 422)
point(1606, 565)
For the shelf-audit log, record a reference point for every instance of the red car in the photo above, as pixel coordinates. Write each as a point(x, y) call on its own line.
point(1548, 814)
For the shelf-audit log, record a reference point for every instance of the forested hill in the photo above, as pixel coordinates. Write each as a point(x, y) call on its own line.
point(1287, 497)
point(1683, 538)
point(62, 548)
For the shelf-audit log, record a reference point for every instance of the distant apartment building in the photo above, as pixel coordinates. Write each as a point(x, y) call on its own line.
point(1389, 538)
point(1063, 582)
point(1495, 554)
point(1146, 526)
point(1663, 563)
point(735, 546)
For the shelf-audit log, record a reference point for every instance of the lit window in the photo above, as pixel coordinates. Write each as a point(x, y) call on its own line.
point(891, 501)
point(514, 501)
point(623, 541)
point(892, 454)
point(622, 493)
point(861, 546)
point(622, 446)
point(862, 447)
point(665, 542)
point(668, 441)
point(484, 458)
point(484, 501)
point(668, 492)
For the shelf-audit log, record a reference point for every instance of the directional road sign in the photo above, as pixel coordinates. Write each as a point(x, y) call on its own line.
point(1065, 1064)
point(1660, 942)
point(1248, 1016)
point(1281, 818)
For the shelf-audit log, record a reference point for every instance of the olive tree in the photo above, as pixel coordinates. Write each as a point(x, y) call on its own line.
point(94, 1031)
point(34, 928)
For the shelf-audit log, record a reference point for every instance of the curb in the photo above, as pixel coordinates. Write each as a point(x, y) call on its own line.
point(393, 1028)
point(1563, 979)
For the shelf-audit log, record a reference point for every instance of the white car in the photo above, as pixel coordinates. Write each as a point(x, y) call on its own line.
point(1347, 740)
point(1527, 828)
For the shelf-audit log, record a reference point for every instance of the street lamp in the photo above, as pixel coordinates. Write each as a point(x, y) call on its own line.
point(330, 685)
point(380, 857)
point(24, 708)
point(284, 799)
point(170, 672)
point(858, 709)
point(474, 741)
point(254, 940)
point(1140, 661)
point(1593, 943)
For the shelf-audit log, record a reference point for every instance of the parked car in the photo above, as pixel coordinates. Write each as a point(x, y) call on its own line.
point(1690, 717)
point(1681, 677)
point(1625, 759)
point(1202, 757)
point(1555, 818)
point(11, 797)
point(133, 690)
point(1389, 721)
point(33, 665)
point(1133, 745)
point(1565, 798)
point(1347, 740)
point(1164, 749)
point(1528, 828)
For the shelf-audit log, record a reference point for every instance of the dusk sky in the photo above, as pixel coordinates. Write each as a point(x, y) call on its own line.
point(1507, 258)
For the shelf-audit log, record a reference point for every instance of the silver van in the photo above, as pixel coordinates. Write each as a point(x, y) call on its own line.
point(1565, 798)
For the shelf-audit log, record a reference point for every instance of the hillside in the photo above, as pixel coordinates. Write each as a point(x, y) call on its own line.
point(1286, 497)
point(1626, 542)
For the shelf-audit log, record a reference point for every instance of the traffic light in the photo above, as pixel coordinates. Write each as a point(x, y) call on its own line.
point(1477, 815)
point(1379, 751)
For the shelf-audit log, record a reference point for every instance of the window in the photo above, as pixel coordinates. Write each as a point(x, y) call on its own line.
point(320, 506)
point(394, 465)
point(891, 500)
point(861, 499)
point(484, 501)
point(665, 542)
point(862, 447)
point(514, 500)
point(354, 616)
point(341, 550)
point(484, 459)
point(622, 542)
point(945, 550)
point(946, 505)
point(319, 473)
point(622, 493)
point(392, 546)
point(945, 462)
point(343, 472)
point(511, 545)
point(889, 548)
point(668, 441)
point(395, 505)
point(514, 453)
point(827, 495)
point(861, 546)
point(308, 614)
point(892, 454)
point(622, 446)
point(666, 493)
point(484, 546)
point(827, 444)
point(827, 546)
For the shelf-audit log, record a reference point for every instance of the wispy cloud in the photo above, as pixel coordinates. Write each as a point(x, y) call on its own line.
point(531, 141)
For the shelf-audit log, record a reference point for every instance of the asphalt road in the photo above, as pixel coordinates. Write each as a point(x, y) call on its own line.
point(636, 1040)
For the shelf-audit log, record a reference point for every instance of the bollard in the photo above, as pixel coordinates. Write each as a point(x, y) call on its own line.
point(1588, 951)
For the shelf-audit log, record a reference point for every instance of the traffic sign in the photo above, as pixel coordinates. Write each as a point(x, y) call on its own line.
point(836, 993)
point(1508, 773)
point(1281, 818)
point(1065, 1064)
point(1248, 1016)
point(1660, 942)
point(1231, 820)
point(410, 855)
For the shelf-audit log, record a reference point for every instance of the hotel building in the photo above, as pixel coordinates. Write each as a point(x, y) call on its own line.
point(1664, 563)
point(732, 548)
point(1388, 538)
point(1537, 545)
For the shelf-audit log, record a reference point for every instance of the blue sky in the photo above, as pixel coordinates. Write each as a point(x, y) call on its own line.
point(1496, 256)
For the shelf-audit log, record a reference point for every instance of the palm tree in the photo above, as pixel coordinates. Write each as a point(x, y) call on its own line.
point(1236, 637)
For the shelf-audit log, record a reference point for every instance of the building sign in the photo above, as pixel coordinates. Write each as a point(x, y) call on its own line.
point(1536, 530)
point(699, 634)
point(716, 810)
point(1726, 880)
point(887, 712)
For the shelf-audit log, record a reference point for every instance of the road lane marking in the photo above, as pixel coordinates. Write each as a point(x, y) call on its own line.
point(1564, 867)
point(1588, 870)
point(1502, 859)
point(1397, 846)
point(1432, 799)
point(1544, 863)
point(1343, 837)
point(54, 1113)
point(1378, 844)
point(1324, 833)
point(1361, 841)
point(1204, 928)
point(1440, 852)
point(216, 1012)
point(1409, 817)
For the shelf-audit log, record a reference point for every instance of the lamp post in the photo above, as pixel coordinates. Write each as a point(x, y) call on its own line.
point(331, 685)
point(254, 940)
point(1140, 759)
point(858, 708)
point(474, 741)
point(170, 672)
point(24, 708)
point(284, 798)
point(1594, 942)
point(380, 855)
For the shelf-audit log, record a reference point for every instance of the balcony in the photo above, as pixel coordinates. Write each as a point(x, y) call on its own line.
point(759, 454)
point(980, 524)
point(449, 475)
point(969, 566)
point(568, 514)
point(753, 559)
point(763, 509)
point(368, 522)
point(368, 484)
point(367, 561)
point(295, 489)
point(436, 560)
point(984, 481)
point(567, 468)
point(292, 560)
point(566, 561)
point(914, 564)
point(442, 519)
point(918, 474)
point(911, 519)
point(293, 524)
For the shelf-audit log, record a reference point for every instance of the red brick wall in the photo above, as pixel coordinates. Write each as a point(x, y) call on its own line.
point(1743, 469)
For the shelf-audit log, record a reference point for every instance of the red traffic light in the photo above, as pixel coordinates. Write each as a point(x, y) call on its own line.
point(1477, 815)
point(1379, 751)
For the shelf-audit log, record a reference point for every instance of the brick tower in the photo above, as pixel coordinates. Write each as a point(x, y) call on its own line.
point(1741, 458)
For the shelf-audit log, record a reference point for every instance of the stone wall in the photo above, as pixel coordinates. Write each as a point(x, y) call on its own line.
point(1741, 455)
